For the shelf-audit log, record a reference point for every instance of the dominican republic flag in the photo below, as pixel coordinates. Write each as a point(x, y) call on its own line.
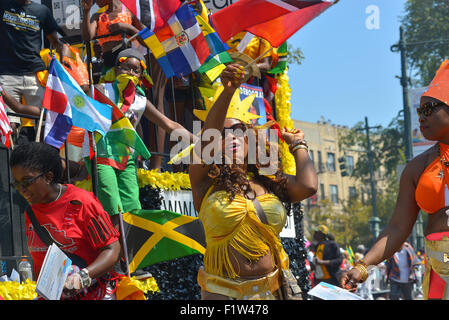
point(5, 127)
point(152, 13)
point(272, 20)
point(68, 105)
point(179, 46)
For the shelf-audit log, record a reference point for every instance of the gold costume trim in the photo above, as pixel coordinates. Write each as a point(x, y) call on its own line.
point(263, 288)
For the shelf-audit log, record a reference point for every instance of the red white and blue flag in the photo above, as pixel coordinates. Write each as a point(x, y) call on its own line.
point(5, 127)
point(179, 46)
point(68, 105)
point(152, 13)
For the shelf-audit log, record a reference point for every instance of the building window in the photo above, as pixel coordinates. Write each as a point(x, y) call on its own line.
point(322, 193)
point(331, 162)
point(350, 164)
point(311, 155)
point(334, 193)
point(320, 162)
point(352, 193)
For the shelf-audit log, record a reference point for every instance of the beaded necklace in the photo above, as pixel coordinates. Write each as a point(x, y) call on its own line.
point(443, 161)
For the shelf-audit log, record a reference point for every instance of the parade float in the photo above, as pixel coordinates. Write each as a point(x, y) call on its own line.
point(175, 278)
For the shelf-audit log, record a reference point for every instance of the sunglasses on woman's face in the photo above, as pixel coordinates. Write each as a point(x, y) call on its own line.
point(238, 130)
point(25, 183)
point(428, 108)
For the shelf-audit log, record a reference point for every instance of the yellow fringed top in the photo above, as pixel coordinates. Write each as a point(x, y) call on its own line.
point(235, 223)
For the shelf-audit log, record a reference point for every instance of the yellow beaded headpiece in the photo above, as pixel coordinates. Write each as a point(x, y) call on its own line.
point(238, 109)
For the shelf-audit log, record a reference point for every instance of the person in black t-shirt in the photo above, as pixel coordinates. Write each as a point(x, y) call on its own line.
point(21, 25)
point(328, 258)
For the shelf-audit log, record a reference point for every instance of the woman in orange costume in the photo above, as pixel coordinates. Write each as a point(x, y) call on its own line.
point(115, 18)
point(423, 185)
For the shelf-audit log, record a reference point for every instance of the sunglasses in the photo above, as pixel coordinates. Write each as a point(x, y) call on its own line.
point(25, 183)
point(238, 130)
point(428, 108)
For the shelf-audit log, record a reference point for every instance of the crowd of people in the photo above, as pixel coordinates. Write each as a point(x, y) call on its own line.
point(242, 210)
point(396, 278)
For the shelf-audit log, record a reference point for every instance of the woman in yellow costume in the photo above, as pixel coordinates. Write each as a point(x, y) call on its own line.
point(244, 255)
point(423, 185)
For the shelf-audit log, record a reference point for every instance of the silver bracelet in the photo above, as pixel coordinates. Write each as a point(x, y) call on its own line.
point(86, 280)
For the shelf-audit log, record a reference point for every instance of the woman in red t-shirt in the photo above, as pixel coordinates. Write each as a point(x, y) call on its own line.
point(72, 216)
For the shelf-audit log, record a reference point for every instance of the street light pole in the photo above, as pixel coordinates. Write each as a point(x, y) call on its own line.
point(374, 220)
point(402, 48)
point(405, 97)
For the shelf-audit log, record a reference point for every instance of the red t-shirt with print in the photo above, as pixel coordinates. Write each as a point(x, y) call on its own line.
point(77, 220)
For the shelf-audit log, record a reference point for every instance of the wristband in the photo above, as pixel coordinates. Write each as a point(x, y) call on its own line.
point(299, 146)
point(296, 143)
point(86, 280)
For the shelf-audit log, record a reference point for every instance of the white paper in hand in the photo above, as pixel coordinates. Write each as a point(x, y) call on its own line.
point(53, 273)
point(328, 291)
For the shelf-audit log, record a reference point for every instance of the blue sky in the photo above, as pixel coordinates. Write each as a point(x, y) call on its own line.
point(349, 71)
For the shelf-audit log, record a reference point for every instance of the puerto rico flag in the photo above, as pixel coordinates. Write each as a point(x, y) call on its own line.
point(179, 46)
point(68, 105)
point(5, 127)
point(152, 13)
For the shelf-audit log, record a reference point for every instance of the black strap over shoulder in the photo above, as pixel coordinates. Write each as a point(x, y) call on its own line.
point(48, 240)
point(41, 231)
point(259, 211)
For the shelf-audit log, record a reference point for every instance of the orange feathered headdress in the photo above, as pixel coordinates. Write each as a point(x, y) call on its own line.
point(439, 87)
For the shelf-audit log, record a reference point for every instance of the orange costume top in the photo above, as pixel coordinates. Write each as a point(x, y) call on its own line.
point(103, 25)
point(432, 194)
point(432, 191)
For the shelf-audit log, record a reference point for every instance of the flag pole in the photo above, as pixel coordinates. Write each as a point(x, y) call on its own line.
point(125, 247)
point(93, 159)
point(126, 42)
point(257, 59)
point(41, 118)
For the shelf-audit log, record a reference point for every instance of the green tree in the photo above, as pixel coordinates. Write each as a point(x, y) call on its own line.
point(322, 213)
point(426, 20)
point(353, 228)
point(294, 55)
point(348, 224)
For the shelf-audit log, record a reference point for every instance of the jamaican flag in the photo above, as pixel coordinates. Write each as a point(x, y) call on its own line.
point(154, 236)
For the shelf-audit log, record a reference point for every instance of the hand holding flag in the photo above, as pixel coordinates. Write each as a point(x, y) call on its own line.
point(68, 105)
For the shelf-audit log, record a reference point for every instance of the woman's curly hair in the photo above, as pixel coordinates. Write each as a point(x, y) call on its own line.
point(233, 178)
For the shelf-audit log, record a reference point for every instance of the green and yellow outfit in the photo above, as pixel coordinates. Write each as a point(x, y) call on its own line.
point(117, 177)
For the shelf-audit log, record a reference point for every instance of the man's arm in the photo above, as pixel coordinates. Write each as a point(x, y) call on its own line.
point(18, 107)
point(60, 47)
